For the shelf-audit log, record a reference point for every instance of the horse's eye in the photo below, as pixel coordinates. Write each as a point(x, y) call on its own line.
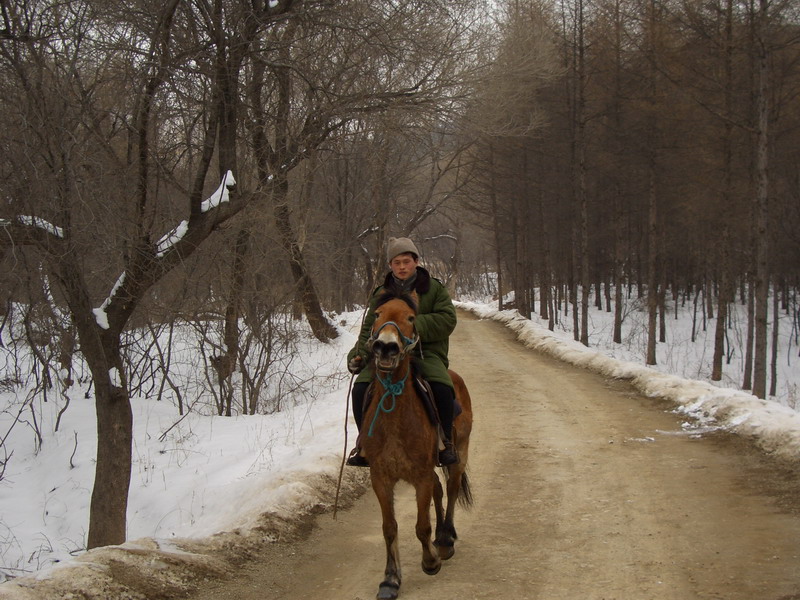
point(411, 319)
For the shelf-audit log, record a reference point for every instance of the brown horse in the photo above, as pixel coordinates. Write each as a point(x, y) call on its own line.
point(400, 442)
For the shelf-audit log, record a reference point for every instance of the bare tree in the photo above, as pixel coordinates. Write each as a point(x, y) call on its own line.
point(509, 113)
point(84, 141)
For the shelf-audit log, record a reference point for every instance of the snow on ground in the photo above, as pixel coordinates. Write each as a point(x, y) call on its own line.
point(197, 475)
point(192, 476)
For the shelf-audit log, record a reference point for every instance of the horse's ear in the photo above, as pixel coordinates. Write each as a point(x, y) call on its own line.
point(415, 297)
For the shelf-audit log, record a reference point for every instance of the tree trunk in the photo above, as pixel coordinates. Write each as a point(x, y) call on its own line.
point(101, 349)
point(773, 385)
point(496, 227)
point(618, 303)
point(747, 380)
point(573, 288)
point(546, 309)
point(761, 236)
point(652, 213)
point(580, 167)
point(662, 303)
point(307, 294)
point(726, 291)
point(719, 331)
point(709, 296)
point(652, 275)
point(521, 295)
point(722, 311)
point(109, 504)
point(233, 310)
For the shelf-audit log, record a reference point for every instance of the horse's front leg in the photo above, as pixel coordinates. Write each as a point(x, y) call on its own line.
point(384, 491)
point(431, 563)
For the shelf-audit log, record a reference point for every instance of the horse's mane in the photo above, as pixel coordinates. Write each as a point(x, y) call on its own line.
point(395, 293)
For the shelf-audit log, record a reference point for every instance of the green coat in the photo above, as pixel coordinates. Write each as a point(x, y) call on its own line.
point(436, 320)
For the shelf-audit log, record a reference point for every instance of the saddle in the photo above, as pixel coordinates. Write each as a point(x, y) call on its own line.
point(426, 396)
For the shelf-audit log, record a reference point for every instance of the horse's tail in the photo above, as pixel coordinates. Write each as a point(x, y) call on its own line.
point(465, 498)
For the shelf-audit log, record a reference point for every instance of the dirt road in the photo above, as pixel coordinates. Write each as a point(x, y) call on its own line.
point(584, 490)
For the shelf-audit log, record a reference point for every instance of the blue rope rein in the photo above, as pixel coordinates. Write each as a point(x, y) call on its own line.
point(393, 390)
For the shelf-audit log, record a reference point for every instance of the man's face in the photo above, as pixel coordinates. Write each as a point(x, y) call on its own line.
point(403, 266)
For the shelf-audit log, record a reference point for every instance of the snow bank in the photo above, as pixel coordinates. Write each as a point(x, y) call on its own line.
point(775, 428)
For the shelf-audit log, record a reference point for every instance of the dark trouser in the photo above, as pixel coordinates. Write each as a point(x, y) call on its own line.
point(359, 389)
point(442, 394)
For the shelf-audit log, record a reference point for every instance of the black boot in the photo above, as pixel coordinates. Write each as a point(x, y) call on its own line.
point(356, 460)
point(448, 456)
point(445, 405)
point(359, 392)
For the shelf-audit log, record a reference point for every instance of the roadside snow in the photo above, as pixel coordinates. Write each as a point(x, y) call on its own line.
point(775, 427)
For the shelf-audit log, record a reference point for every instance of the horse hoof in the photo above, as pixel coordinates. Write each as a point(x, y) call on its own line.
point(388, 591)
point(432, 570)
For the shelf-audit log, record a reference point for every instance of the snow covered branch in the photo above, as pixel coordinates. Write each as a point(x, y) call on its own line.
point(222, 194)
point(100, 314)
point(26, 229)
point(219, 197)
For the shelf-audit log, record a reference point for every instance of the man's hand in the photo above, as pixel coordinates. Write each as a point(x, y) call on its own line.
point(355, 365)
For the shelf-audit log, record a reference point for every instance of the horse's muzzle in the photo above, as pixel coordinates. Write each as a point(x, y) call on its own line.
point(387, 355)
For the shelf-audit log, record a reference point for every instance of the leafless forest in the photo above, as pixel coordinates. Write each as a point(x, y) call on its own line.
point(570, 152)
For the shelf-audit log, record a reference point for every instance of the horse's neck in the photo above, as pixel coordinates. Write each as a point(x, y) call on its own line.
point(393, 411)
point(403, 370)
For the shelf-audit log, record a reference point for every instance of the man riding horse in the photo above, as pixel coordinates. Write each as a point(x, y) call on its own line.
point(435, 321)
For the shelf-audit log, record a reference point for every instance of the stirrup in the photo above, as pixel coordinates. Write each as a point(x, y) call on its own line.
point(356, 460)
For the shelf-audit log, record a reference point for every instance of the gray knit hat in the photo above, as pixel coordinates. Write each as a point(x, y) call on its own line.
point(398, 246)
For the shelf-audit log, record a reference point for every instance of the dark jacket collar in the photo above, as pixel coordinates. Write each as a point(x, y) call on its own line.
point(422, 284)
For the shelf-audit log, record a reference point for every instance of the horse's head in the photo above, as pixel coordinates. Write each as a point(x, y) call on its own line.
point(393, 333)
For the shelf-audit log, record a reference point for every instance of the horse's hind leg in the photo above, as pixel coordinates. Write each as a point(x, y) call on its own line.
point(445, 530)
point(390, 586)
point(431, 563)
point(438, 504)
point(457, 482)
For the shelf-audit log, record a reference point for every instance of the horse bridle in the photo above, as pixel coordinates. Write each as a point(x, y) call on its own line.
point(408, 343)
